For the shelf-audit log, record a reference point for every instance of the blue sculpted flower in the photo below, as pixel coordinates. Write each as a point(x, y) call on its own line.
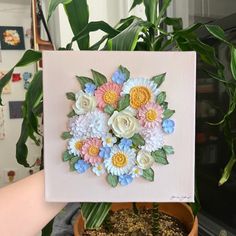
point(168, 126)
point(90, 88)
point(119, 77)
point(105, 152)
point(81, 166)
point(125, 179)
point(125, 144)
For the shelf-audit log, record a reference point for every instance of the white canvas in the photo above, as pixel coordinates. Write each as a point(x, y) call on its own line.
point(173, 182)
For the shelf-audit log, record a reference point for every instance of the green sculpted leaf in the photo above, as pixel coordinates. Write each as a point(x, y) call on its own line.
point(168, 113)
point(112, 180)
point(125, 71)
point(124, 102)
point(109, 109)
point(73, 160)
point(71, 114)
point(66, 135)
point(159, 79)
point(148, 174)
point(161, 98)
point(84, 80)
point(99, 79)
point(67, 156)
point(70, 96)
point(217, 32)
point(160, 157)
point(233, 62)
point(168, 149)
point(165, 105)
point(138, 140)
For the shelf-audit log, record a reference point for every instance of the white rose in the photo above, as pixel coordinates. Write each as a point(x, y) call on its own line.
point(144, 160)
point(124, 124)
point(84, 103)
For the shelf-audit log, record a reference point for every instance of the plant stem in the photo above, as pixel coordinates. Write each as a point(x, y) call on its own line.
point(107, 224)
point(155, 219)
point(135, 209)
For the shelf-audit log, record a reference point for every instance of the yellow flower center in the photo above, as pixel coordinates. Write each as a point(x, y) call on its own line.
point(151, 115)
point(93, 151)
point(78, 145)
point(108, 140)
point(110, 97)
point(99, 167)
point(119, 160)
point(139, 96)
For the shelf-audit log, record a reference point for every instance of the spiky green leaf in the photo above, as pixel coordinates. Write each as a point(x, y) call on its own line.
point(99, 79)
point(112, 180)
point(148, 174)
point(124, 102)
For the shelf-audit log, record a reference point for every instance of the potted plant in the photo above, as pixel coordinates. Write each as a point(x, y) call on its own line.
point(131, 33)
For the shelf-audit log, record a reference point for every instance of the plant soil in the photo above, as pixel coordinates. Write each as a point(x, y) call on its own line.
point(127, 223)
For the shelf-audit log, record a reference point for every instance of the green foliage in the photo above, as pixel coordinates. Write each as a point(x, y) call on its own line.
point(148, 174)
point(70, 96)
point(112, 180)
point(124, 102)
point(168, 149)
point(125, 71)
point(161, 98)
point(109, 109)
point(67, 156)
point(98, 78)
point(138, 140)
point(158, 79)
point(72, 161)
point(160, 157)
point(84, 80)
point(168, 113)
point(66, 135)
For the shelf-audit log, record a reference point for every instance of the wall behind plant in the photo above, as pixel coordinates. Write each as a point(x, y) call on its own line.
point(14, 15)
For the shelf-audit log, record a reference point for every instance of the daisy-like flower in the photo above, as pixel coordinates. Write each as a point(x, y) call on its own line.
point(98, 169)
point(141, 90)
point(125, 179)
point(108, 94)
point(136, 172)
point(153, 139)
point(90, 150)
point(109, 140)
point(121, 162)
point(98, 123)
point(75, 146)
point(150, 115)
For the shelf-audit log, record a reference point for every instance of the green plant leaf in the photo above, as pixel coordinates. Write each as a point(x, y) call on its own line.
point(99, 79)
point(233, 62)
point(125, 71)
point(138, 140)
point(168, 113)
point(78, 15)
point(165, 4)
point(91, 27)
point(94, 214)
point(151, 10)
point(168, 149)
point(72, 162)
point(71, 114)
point(29, 57)
point(67, 156)
point(53, 5)
point(165, 105)
point(124, 102)
point(176, 23)
point(217, 32)
point(160, 157)
point(161, 98)
point(135, 3)
point(128, 38)
point(66, 135)
point(70, 96)
point(84, 80)
point(109, 109)
point(159, 79)
point(148, 174)
point(227, 171)
point(112, 180)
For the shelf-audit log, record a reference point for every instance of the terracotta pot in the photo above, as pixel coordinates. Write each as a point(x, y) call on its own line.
point(179, 210)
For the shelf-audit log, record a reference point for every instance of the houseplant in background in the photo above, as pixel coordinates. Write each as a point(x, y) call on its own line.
point(132, 33)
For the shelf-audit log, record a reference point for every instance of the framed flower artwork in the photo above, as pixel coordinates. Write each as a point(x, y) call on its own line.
point(119, 126)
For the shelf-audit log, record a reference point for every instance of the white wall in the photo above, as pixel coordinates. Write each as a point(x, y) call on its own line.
point(14, 15)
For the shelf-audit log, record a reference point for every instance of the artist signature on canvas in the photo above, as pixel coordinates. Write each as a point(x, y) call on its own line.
point(180, 198)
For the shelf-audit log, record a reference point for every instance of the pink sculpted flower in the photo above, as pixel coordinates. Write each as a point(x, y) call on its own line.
point(90, 150)
point(108, 94)
point(150, 115)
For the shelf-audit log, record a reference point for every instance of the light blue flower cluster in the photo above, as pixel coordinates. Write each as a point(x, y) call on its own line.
point(81, 166)
point(90, 88)
point(125, 179)
point(168, 126)
point(105, 152)
point(125, 144)
point(119, 77)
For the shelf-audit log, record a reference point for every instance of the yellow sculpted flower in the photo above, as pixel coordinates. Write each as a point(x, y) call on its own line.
point(142, 91)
